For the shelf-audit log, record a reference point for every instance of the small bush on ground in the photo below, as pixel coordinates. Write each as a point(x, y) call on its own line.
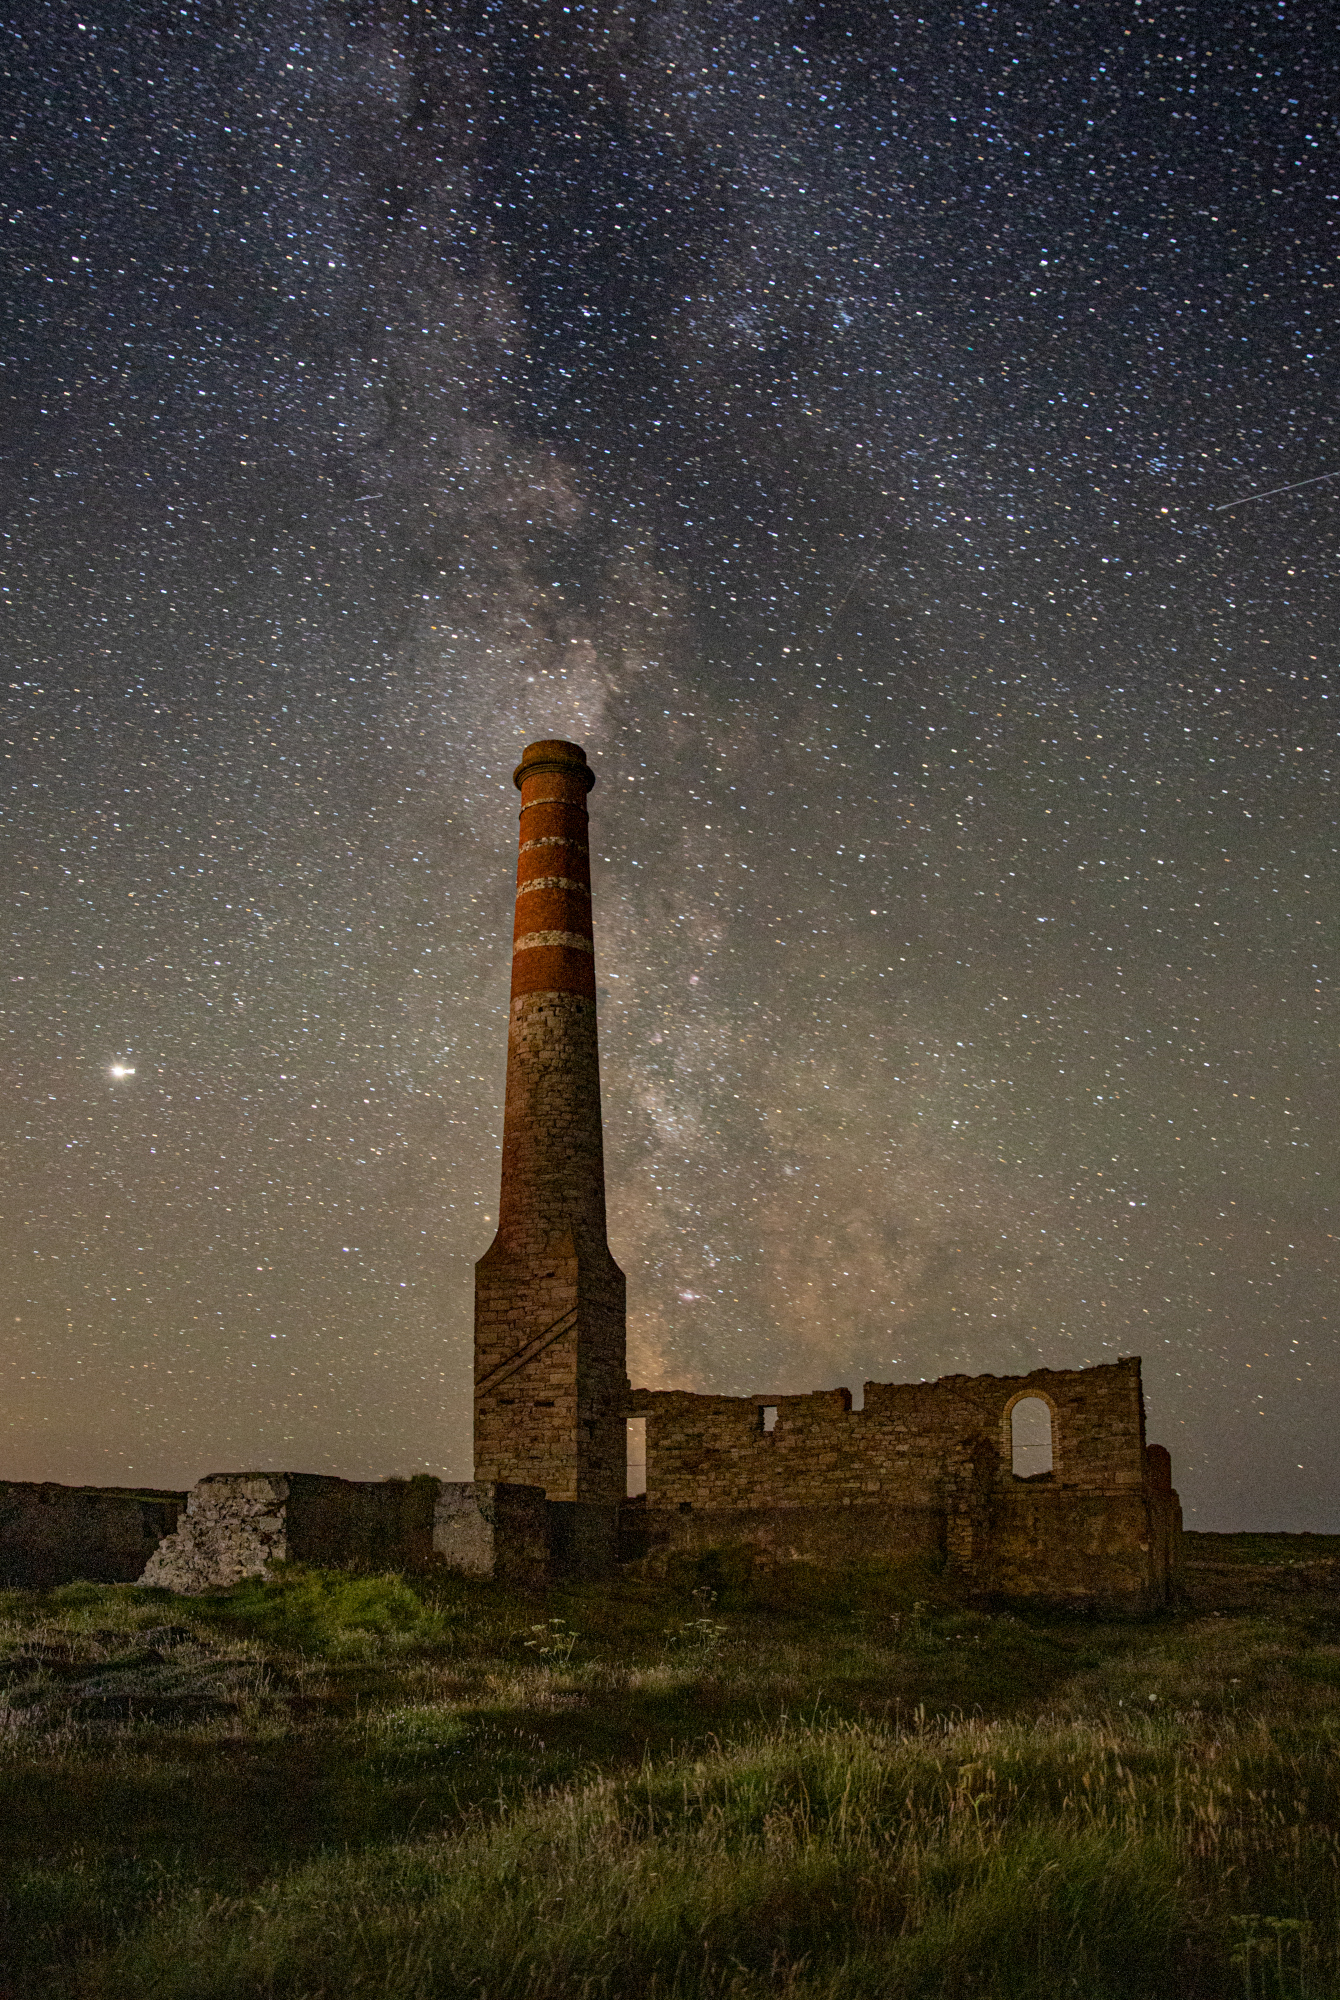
point(331, 1786)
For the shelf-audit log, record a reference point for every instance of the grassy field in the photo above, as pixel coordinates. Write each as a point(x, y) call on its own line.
point(717, 1785)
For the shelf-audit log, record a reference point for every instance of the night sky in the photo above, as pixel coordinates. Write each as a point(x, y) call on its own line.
point(828, 416)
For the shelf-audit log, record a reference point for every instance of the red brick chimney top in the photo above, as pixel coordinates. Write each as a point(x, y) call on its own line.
point(556, 756)
point(552, 949)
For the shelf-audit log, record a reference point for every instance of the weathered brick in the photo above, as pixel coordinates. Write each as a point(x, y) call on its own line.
point(550, 1380)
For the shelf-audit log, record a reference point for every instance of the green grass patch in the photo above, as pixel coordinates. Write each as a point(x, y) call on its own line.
point(323, 1611)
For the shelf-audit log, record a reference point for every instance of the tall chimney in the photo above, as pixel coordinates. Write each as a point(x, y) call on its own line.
point(550, 1379)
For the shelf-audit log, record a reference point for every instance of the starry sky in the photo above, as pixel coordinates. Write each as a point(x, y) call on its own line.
point(830, 415)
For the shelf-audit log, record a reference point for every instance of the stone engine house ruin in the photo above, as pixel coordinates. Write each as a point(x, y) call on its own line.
point(923, 1466)
point(928, 1467)
point(1031, 1486)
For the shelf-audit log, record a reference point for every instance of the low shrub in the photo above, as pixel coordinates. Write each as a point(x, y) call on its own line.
point(317, 1611)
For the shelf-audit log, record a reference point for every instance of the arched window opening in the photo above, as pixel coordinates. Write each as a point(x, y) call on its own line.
point(637, 1456)
point(1031, 1437)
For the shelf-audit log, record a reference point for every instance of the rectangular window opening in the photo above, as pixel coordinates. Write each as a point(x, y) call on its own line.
point(767, 1418)
point(637, 1457)
point(1031, 1438)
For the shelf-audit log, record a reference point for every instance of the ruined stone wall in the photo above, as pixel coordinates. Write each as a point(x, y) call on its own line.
point(361, 1524)
point(495, 1531)
point(712, 1451)
point(1078, 1549)
point(1165, 1522)
point(235, 1525)
point(239, 1524)
point(53, 1534)
point(828, 1537)
point(927, 1465)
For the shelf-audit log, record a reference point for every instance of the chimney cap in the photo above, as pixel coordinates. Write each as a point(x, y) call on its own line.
point(553, 754)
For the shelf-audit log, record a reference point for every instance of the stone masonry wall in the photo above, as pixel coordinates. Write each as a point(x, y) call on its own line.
point(493, 1530)
point(713, 1452)
point(1080, 1549)
point(235, 1525)
point(52, 1534)
point(240, 1524)
point(927, 1464)
point(1165, 1521)
point(828, 1537)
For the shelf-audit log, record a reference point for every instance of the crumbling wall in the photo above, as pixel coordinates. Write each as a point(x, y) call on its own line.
point(361, 1524)
point(712, 1451)
point(927, 1464)
point(493, 1529)
point(1165, 1523)
point(240, 1524)
point(52, 1534)
point(235, 1525)
point(1078, 1549)
point(828, 1537)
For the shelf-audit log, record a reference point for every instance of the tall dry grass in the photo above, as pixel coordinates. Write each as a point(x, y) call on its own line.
point(1143, 1856)
point(325, 1786)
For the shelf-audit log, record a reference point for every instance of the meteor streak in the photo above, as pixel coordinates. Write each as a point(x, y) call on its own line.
point(1315, 480)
